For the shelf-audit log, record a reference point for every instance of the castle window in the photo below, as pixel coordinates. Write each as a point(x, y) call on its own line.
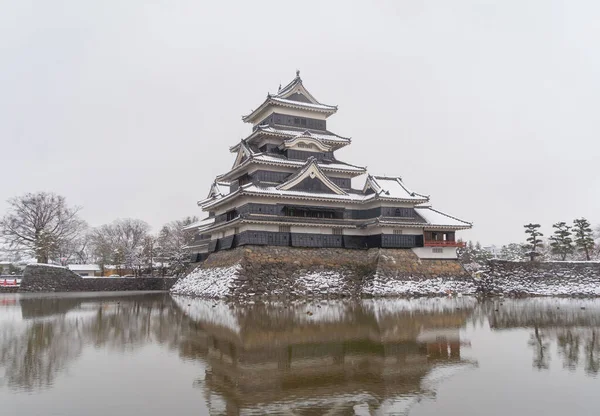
point(437, 250)
point(284, 229)
point(338, 231)
point(397, 231)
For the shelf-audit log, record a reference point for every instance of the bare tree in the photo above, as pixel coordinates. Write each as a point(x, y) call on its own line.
point(172, 244)
point(40, 224)
point(102, 244)
point(121, 243)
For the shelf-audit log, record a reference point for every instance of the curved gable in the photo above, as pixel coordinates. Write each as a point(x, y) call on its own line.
point(311, 177)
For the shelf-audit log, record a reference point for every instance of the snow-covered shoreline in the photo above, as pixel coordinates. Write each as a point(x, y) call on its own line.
point(229, 283)
point(521, 279)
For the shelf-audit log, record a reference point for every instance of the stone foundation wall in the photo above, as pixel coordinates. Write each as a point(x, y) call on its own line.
point(543, 278)
point(290, 272)
point(43, 278)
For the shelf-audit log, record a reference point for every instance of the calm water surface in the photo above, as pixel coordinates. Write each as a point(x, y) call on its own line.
point(153, 354)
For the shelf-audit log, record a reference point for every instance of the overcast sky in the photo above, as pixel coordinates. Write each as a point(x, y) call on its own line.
point(128, 108)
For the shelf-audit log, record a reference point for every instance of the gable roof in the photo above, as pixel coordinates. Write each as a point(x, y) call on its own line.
point(217, 191)
point(306, 137)
point(243, 150)
point(284, 97)
point(439, 218)
point(311, 170)
point(392, 187)
point(296, 87)
point(200, 225)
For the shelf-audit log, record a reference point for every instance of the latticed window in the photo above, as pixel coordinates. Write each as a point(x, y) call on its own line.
point(284, 229)
point(438, 250)
point(338, 231)
point(397, 231)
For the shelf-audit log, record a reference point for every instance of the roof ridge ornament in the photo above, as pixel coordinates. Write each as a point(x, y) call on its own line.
point(297, 73)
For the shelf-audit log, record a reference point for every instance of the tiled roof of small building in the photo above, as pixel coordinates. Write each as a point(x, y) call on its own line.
point(435, 217)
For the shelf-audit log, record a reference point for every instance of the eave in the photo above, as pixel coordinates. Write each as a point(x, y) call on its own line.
point(336, 141)
point(233, 173)
point(281, 102)
point(344, 199)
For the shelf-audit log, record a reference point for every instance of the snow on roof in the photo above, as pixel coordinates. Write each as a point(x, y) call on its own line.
point(337, 165)
point(275, 191)
point(46, 265)
point(303, 104)
point(282, 97)
point(200, 224)
point(84, 267)
point(435, 217)
point(311, 169)
point(293, 133)
point(217, 190)
point(392, 187)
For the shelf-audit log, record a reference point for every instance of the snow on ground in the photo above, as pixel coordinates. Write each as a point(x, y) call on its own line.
point(209, 283)
point(583, 287)
point(421, 287)
point(321, 282)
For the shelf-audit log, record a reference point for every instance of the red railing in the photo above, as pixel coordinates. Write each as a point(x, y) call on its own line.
point(433, 243)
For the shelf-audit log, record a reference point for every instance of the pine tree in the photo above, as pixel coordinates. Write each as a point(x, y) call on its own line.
point(561, 241)
point(534, 241)
point(584, 238)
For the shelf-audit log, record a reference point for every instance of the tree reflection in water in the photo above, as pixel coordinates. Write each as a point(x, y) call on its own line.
point(573, 327)
point(54, 331)
point(302, 358)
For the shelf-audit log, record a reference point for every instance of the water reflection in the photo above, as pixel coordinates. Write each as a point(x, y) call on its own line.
point(327, 357)
point(572, 326)
point(365, 357)
point(53, 332)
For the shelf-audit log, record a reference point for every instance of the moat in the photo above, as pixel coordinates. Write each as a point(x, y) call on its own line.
point(156, 354)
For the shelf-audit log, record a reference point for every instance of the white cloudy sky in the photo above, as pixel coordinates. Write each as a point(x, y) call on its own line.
point(128, 108)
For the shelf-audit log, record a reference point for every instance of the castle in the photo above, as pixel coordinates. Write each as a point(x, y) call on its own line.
point(287, 188)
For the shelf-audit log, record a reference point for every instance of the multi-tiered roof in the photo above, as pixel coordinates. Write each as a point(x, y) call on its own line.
point(286, 187)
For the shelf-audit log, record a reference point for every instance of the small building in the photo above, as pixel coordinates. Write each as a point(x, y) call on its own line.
point(287, 188)
point(85, 269)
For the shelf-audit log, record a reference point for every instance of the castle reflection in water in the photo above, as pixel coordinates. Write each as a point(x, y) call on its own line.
point(317, 357)
point(355, 357)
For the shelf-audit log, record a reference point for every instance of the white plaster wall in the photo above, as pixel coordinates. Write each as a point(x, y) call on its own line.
point(409, 231)
point(259, 227)
point(274, 108)
point(427, 253)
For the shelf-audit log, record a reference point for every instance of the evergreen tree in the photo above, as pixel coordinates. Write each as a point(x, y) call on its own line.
point(533, 230)
point(561, 241)
point(584, 238)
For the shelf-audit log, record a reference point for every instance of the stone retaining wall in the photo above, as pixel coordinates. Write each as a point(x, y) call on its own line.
point(44, 278)
point(290, 272)
point(543, 278)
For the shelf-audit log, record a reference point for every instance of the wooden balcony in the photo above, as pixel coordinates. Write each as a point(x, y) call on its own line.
point(443, 243)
